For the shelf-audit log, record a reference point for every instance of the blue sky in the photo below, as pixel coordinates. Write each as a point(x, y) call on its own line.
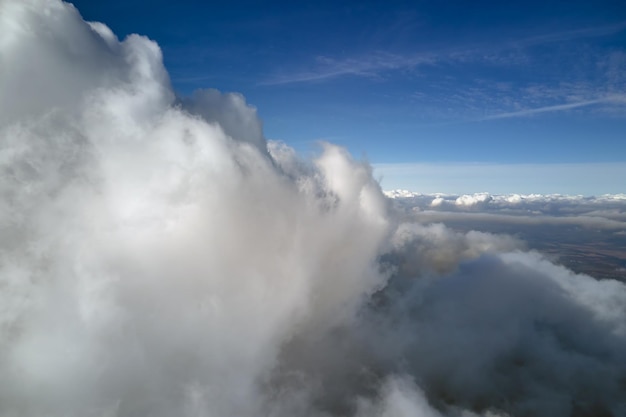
point(454, 83)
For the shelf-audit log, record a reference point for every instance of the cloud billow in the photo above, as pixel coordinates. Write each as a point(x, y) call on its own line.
point(159, 257)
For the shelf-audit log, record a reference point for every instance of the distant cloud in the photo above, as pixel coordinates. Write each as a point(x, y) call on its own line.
point(509, 199)
point(591, 222)
point(602, 212)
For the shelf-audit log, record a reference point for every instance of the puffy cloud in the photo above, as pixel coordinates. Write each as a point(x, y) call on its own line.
point(150, 260)
point(604, 212)
point(514, 332)
point(472, 200)
point(230, 111)
point(159, 257)
point(506, 200)
point(52, 60)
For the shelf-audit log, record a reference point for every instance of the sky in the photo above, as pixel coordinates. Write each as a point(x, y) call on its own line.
point(516, 87)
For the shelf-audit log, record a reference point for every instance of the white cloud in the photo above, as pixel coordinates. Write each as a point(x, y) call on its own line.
point(153, 259)
point(495, 199)
point(472, 200)
point(603, 212)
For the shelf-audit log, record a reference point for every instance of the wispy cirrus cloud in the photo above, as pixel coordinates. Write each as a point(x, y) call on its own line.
point(374, 64)
point(613, 99)
point(569, 35)
point(544, 84)
point(371, 65)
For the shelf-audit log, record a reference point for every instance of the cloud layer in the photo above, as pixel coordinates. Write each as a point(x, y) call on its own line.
point(159, 257)
point(606, 212)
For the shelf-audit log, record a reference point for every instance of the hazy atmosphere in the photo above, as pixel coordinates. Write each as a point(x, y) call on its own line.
point(164, 252)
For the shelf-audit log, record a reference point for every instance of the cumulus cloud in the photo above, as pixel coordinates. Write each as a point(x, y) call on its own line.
point(605, 211)
point(473, 200)
point(507, 199)
point(159, 257)
point(230, 111)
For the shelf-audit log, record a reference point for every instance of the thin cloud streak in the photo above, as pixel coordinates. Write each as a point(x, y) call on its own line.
point(368, 66)
point(372, 65)
point(592, 222)
point(616, 99)
point(569, 35)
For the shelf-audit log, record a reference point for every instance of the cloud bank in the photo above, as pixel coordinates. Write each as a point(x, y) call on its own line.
point(606, 211)
point(159, 257)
